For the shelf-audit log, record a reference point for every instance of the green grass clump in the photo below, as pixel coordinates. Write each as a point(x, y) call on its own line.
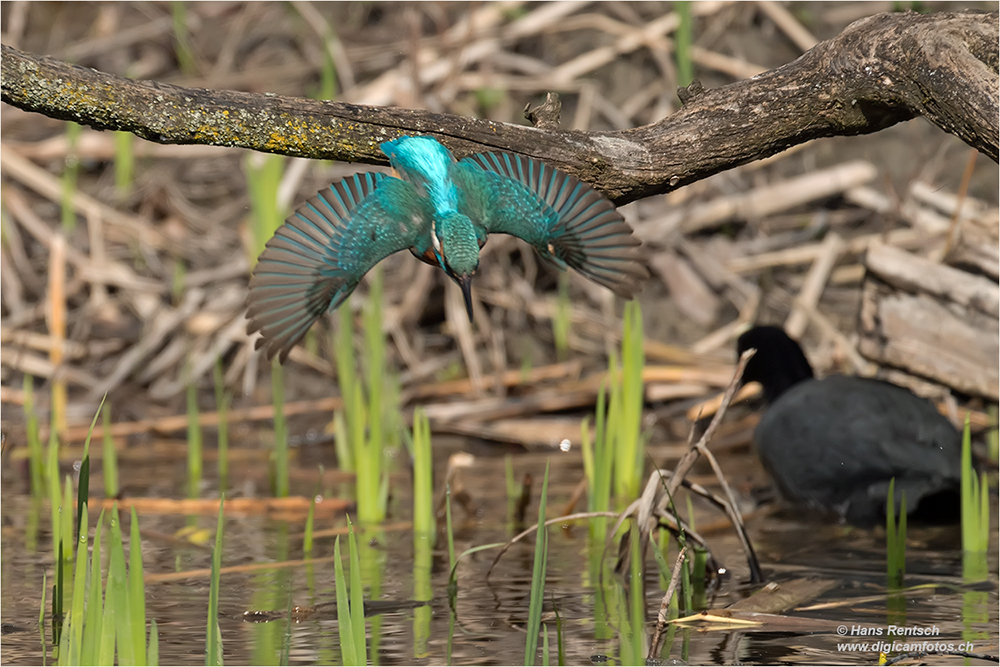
point(370, 420)
point(617, 448)
point(975, 500)
point(895, 538)
point(350, 604)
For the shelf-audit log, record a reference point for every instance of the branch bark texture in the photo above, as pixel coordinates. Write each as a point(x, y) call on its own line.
point(880, 71)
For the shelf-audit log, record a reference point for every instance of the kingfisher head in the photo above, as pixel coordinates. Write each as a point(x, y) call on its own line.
point(456, 246)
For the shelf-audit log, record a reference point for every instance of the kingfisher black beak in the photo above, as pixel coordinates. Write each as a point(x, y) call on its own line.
point(465, 282)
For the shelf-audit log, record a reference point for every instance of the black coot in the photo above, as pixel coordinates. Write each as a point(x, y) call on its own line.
point(834, 444)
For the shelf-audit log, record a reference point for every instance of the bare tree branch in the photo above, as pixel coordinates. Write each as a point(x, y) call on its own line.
point(881, 70)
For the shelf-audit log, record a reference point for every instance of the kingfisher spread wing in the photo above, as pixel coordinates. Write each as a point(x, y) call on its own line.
point(442, 211)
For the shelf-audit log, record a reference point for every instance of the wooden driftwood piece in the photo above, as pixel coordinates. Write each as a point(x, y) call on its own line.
point(931, 320)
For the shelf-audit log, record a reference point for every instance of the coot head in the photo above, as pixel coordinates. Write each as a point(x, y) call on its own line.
point(778, 364)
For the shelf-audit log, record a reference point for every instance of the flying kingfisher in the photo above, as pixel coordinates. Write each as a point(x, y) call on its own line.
point(441, 210)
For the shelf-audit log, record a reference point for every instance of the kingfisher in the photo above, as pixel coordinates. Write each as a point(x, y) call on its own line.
point(442, 210)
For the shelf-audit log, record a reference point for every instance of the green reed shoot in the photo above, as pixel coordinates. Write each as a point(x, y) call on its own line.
point(307, 535)
point(124, 163)
point(356, 596)
point(94, 617)
point(69, 178)
point(281, 468)
point(382, 418)
point(628, 447)
point(177, 278)
point(35, 462)
point(560, 644)
point(452, 561)
point(512, 487)
point(683, 38)
point(182, 43)
point(895, 537)
point(637, 598)
point(68, 538)
point(537, 595)
point(194, 442)
point(109, 458)
point(264, 175)
point(975, 500)
point(54, 488)
point(348, 650)
point(561, 318)
point(993, 435)
point(213, 635)
point(351, 419)
point(424, 527)
point(222, 400)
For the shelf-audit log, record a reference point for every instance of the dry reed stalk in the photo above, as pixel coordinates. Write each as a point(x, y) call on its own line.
point(788, 24)
point(760, 202)
point(293, 507)
point(512, 378)
point(124, 227)
point(812, 287)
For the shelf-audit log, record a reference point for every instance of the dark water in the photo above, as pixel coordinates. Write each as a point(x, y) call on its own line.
point(487, 627)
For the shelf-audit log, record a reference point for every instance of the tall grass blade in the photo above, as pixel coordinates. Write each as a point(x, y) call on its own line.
point(281, 468)
point(561, 319)
point(66, 521)
point(628, 446)
point(895, 538)
point(70, 173)
point(357, 599)
point(89, 652)
point(194, 456)
point(41, 616)
point(35, 462)
point(637, 598)
point(348, 653)
point(109, 460)
point(538, 577)
point(424, 529)
point(222, 400)
point(54, 488)
point(213, 635)
point(683, 39)
point(117, 598)
point(124, 163)
point(352, 415)
point(77, 610)
point(185, 57)
point(153, 650)
point(136, 592)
